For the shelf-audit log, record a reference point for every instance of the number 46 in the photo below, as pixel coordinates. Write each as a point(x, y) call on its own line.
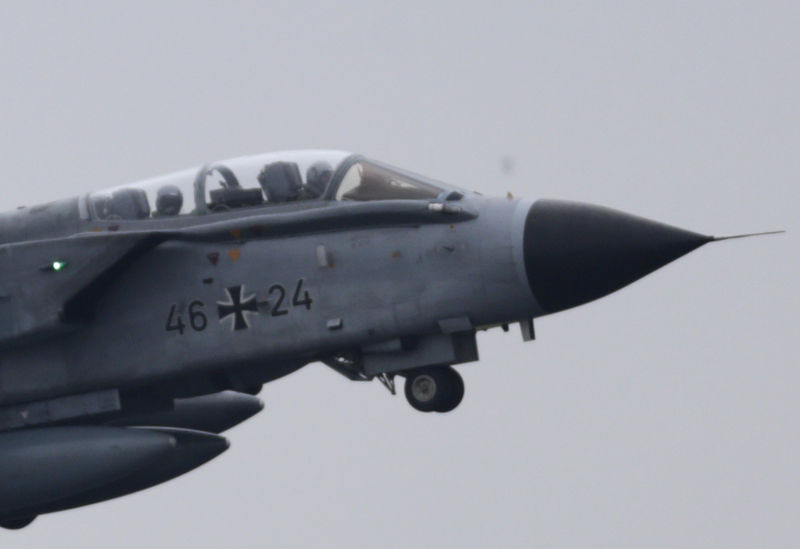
point(197, 318)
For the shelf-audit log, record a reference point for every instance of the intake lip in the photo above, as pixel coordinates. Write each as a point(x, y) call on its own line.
point(576, 253)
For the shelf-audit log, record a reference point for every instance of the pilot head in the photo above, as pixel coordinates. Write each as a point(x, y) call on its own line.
point(317, 177)
point(169, 200)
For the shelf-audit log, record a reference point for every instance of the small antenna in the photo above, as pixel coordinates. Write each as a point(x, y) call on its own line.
point(718, 238)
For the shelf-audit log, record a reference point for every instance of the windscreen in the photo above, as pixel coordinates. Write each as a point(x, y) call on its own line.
point(365, 181)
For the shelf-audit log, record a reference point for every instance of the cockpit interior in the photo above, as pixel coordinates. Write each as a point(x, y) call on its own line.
point(264, 180)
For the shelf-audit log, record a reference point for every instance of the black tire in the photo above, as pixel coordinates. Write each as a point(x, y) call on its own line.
point(427, 388)
point(455, 393)
point(16, 524)
point(434, 389)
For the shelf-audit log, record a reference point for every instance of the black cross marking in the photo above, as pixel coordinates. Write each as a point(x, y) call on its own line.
point(237, 307)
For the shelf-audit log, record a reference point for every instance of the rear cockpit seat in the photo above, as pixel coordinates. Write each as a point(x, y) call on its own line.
point(127, 204)
point(281, 181)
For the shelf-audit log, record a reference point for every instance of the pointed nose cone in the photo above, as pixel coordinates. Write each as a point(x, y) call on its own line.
point(575, 253)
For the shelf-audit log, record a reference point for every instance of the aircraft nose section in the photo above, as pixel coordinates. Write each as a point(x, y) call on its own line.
point(575, 253)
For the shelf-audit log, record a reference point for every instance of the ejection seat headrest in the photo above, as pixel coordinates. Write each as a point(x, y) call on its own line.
point(129, 203)
point(281, 181)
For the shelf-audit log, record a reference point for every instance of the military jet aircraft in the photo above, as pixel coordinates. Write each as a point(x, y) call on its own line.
point(137, 323)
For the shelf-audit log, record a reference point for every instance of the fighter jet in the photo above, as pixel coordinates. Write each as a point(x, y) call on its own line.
point(137, 323)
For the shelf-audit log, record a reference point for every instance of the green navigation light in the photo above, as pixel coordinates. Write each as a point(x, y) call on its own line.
point(58, 265)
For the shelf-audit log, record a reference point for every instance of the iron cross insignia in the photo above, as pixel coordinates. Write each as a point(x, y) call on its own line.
point(238, 306)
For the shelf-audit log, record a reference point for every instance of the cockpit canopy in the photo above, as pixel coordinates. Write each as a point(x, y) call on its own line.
point(261, 180)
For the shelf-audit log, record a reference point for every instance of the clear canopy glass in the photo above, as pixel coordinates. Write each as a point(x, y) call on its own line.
point(265, 179)
point(269, 178)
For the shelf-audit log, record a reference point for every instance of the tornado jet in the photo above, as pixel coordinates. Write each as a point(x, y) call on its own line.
point(138, 322)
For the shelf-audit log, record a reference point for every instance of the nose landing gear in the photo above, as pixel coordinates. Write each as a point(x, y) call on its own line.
point(434, 389)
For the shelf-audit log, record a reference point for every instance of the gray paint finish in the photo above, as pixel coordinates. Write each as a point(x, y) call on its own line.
point(384, 284)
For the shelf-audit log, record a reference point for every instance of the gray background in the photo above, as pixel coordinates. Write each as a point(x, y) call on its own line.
point(663, 416)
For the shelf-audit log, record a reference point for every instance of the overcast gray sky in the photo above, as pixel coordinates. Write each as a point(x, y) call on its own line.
point(665, 415)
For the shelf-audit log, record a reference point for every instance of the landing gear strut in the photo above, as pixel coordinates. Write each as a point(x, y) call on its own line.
point(434, 389)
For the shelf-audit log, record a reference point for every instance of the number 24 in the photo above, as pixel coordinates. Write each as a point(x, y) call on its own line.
point(297, 300)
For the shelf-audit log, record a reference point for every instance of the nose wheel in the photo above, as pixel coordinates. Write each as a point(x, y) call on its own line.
point(434, 389)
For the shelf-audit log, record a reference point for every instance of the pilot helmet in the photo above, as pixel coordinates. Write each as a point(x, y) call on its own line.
point(317, 177)
point(169, 200)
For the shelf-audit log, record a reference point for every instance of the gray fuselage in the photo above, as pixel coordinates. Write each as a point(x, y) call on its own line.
point(366, 285)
